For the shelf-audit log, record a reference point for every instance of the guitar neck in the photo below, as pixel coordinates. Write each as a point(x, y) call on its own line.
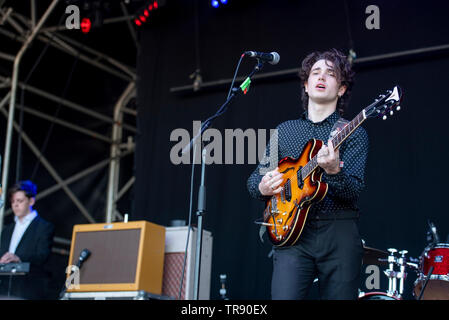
point(337, 140)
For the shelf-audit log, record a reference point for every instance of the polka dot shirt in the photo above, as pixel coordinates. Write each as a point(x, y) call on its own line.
point(345, 186)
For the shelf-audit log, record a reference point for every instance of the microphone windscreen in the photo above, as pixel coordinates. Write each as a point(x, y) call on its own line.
point(276, 58)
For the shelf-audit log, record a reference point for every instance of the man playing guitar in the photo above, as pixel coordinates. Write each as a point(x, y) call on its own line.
point(330, 247)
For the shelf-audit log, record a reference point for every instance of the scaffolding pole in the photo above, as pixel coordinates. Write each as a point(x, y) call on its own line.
point(69, 104)
point(57, 43)
point(114, 167)
point(51, 170)
point(15, 75)
point(74, 48)
point(76, 177)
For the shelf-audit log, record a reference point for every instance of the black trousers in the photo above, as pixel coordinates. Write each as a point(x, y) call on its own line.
point(330, 250)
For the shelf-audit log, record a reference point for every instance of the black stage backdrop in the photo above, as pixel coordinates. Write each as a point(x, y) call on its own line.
point(408, 152)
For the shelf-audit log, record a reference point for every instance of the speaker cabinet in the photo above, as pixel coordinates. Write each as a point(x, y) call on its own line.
point(175, 246)
point(124, 256)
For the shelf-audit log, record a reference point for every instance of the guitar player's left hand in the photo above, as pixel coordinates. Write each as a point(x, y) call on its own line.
point(328, 159)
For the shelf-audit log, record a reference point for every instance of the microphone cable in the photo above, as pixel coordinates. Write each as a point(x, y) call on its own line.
point(189, 224)
point(235, 75)
point(219, 112)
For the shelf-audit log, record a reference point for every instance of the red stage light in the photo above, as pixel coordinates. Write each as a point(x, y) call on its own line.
point(142, 18)
point(145, 12)
point(150, 7)
point(155, 5)
point(85, 25)
point(137, 22)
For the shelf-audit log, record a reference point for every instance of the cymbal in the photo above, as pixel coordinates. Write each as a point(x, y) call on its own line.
point(372, 256)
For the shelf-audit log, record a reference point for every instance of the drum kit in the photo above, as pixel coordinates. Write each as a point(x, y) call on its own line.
point(432, 269)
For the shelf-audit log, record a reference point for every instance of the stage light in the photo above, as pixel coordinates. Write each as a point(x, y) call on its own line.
point(217, 3)
point(86, 24)
point(143, 15)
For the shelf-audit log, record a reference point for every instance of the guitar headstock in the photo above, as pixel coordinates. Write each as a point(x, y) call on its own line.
point(383, 106)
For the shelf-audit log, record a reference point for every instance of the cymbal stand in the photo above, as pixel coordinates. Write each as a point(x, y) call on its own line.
point(402, 262)
point(390, 273)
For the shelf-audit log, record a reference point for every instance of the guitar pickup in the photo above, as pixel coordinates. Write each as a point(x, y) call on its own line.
point(299, 177)
point(288, 190)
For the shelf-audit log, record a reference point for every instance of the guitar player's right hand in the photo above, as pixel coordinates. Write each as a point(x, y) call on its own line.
point(270, 183)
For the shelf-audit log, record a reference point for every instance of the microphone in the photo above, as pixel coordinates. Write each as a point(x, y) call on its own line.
point(84, 255)
point(272, 57)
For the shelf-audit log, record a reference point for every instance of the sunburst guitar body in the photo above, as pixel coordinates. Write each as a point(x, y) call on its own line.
point(285, 213)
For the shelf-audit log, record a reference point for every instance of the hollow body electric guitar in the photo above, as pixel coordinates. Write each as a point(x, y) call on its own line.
point(285, 213)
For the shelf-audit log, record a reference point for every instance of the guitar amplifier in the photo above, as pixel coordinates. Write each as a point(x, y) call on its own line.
point(175, 246)
point(124, 257)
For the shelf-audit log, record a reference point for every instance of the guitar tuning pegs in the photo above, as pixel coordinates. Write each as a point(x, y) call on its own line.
point(384, 117)
point(398, 108)
point(391, 112)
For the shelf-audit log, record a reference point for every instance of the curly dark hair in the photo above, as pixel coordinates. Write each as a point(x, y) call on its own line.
point(26, 186)
point(344, 74)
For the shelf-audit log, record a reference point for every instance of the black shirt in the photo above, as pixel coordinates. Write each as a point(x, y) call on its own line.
point(345, 186)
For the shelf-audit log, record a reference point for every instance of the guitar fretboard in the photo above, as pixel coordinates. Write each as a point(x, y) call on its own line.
point(337, 140)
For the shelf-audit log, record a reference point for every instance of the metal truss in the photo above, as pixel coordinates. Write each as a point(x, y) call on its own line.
point(28, 30)
point(293, 72)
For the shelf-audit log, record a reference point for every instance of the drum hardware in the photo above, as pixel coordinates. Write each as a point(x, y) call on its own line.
point(377, 296)
point(402, 274)
point(393, 276)
point(433, 273)
point(425, 282)
point(374, 256)
point(390, 273)
point(432, 269)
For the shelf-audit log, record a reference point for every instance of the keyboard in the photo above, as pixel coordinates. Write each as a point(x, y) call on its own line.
point(14, 268)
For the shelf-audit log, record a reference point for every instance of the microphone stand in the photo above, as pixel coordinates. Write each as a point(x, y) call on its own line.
point(202, 190)
point(1, 199)
point(76, 269)
point(64, 287)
